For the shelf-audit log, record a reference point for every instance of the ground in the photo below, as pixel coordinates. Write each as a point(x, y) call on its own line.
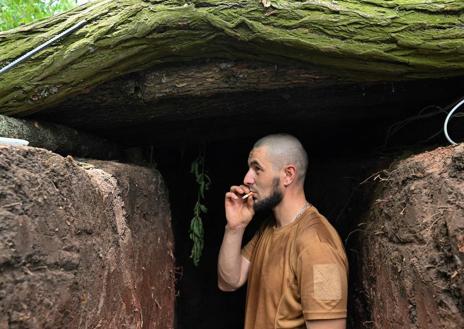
point(410, 272)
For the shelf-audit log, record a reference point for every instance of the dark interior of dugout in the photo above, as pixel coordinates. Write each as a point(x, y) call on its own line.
point(330, 187)
point(342, 154)
point(350, 131)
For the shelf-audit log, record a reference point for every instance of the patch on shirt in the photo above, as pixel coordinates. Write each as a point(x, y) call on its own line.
point(327, 283)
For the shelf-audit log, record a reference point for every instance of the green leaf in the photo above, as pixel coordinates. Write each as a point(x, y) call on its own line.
point(197, 232)
point(203, 208)
point(16, 12)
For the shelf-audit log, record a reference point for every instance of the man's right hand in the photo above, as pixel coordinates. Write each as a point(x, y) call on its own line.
point(239, 212)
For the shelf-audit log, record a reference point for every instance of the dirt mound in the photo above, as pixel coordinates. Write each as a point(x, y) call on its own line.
point(411, 272)
point(83, 247)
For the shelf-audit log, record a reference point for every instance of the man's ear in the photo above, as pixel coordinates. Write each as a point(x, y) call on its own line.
point(289, 175)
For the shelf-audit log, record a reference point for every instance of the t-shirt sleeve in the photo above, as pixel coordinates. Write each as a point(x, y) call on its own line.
point(323, 282)
point(247, 251)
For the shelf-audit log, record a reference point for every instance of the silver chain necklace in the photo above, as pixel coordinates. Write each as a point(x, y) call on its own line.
point(302, 210)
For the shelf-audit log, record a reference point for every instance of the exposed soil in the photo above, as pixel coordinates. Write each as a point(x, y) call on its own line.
point(90, 245)
point(83, 245)
point(411, 272)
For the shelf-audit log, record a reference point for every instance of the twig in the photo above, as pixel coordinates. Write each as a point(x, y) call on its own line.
point(393, 129)
point(377, 176)
point(349, 234)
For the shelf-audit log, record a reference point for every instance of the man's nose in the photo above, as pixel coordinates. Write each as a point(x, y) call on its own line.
point(249, 179)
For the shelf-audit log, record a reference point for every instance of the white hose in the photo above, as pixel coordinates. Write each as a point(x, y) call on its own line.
point(42, 46)
point(13, 141)
point(445, 126)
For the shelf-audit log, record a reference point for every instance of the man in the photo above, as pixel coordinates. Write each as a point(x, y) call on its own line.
point(295, 265)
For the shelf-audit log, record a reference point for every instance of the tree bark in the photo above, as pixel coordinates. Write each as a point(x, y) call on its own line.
point(182, 92)
point(204, 80)
point(127, 111)
point(362, 40)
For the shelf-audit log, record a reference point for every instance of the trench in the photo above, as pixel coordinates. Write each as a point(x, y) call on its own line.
point(341, 157)
point(346, 141)
point(331, 187)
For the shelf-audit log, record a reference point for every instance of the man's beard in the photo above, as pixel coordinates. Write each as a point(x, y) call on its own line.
point(271, 201)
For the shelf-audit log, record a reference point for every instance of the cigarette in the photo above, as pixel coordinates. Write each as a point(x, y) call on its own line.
point(247, 195)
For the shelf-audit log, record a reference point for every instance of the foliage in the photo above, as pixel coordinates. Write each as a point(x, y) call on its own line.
point(196, 224)
point(17, 12)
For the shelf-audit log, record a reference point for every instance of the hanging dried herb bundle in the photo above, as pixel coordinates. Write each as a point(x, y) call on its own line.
point(196, 231)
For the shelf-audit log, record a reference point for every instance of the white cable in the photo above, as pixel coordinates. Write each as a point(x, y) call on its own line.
point(42, 46)
point(445, 126)
point(13, 141)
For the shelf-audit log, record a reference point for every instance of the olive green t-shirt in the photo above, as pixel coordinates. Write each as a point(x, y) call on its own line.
point(298, 272)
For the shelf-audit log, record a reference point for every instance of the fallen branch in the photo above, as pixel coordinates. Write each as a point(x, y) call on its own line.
point(58, 138)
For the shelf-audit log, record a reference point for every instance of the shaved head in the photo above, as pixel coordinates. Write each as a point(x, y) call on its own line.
point(283, 150)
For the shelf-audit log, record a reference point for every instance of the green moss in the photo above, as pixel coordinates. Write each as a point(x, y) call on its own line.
point(396, 39)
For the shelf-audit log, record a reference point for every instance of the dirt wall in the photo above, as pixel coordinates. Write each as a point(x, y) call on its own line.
point(411, 272)
point(83, 245)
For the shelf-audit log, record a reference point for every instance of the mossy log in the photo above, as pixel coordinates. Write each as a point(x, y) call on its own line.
point(182, 92)
point(360, 39)
point(58, 138)
point(204, 80)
